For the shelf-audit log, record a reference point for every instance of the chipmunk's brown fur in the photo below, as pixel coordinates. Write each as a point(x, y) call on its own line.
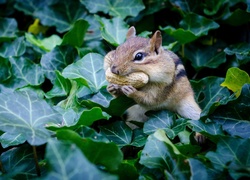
point(168, 86)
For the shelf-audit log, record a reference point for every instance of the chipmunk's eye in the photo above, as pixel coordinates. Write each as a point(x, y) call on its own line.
point(139, 56)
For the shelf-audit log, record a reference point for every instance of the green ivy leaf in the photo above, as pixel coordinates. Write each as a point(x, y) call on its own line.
point(104, 100)
point(139, 138)
point(57, 59)
point(204, 171)
point(101, 99)
point(205, 57)
point(114, 31)
point(179, 34)
point(99, 153)
point(88, 132)
point(46, 44)
point(5, 72)
point(159, 153)
point(76, 34)
point(15, 48)
point(61, 87)
point(30, 7)
point(8, 29)
point(25, 113)
point(208, 128)
point(241, 51)
point(212, 7)
point(18, 163)
point(114, 7)
point(189, 149)
point(234, 117)
point(192, 27)
point(159, 119)
point(24, 72)
point(86, 118)
point(235, 79)
point(164, 120)
point(210, 95)
point(118, 132)
point(67, 162)
point(7, 139)
point(238, 17)
point(127, 170)
point(231, 155)
point(186, 6)
point(88, 70)
point(61, 14)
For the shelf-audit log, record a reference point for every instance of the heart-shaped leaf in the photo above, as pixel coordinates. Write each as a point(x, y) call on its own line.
point(18, 163)
point(235, 79)
point(15, 48)
point(61, 86)
point(86, 118)
point(165, 120)
point(7, 139)
point(186, 6)
point(138, 138)
point(241, 51)
point(213, 6)
point(238, 17)
point(24, 72)
point(99, 153)
point(5, 69)
point(46, 44)
point(57, 59)
point(209, 94)
point(114, 7)
point(76, 34)
point(118, 132)
point(205, 57)
point(8, 28)
point(159, 152)
point(25, 113)
point(88, 70)
point(67, 162)
point(30, 7)
point(231, 154)
point(209, 128)
point(64, 18)
point(104, 100)
point(204, 171)
point(114, 31)
point(234, 117)
point(88, 132)
point(191, 27)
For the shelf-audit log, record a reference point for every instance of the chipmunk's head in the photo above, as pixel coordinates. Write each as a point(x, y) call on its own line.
point(139, 54)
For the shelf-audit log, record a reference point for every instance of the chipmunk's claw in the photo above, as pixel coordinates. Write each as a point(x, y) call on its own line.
point(128, 90)
point(200, 139)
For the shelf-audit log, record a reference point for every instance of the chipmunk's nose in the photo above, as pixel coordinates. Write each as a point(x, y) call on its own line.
point(115, 70)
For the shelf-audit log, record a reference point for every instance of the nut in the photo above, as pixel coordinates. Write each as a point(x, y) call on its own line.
point(137, 79)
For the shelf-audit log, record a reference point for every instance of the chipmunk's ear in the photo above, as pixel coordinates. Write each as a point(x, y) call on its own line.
point(131, 32)
point(156, 41)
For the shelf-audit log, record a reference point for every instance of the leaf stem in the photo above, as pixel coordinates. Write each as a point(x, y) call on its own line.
point(183, 50)
point(1, 167)
point(38, 172)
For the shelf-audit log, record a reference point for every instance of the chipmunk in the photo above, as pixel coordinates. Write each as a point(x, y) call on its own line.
point(168, 86)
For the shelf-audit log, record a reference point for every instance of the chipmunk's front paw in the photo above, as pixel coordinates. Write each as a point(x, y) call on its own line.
point(200, 138)
point(128, 90)
point(114, 89)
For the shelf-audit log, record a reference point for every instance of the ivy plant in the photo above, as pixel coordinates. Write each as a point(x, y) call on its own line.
point(57, 120)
